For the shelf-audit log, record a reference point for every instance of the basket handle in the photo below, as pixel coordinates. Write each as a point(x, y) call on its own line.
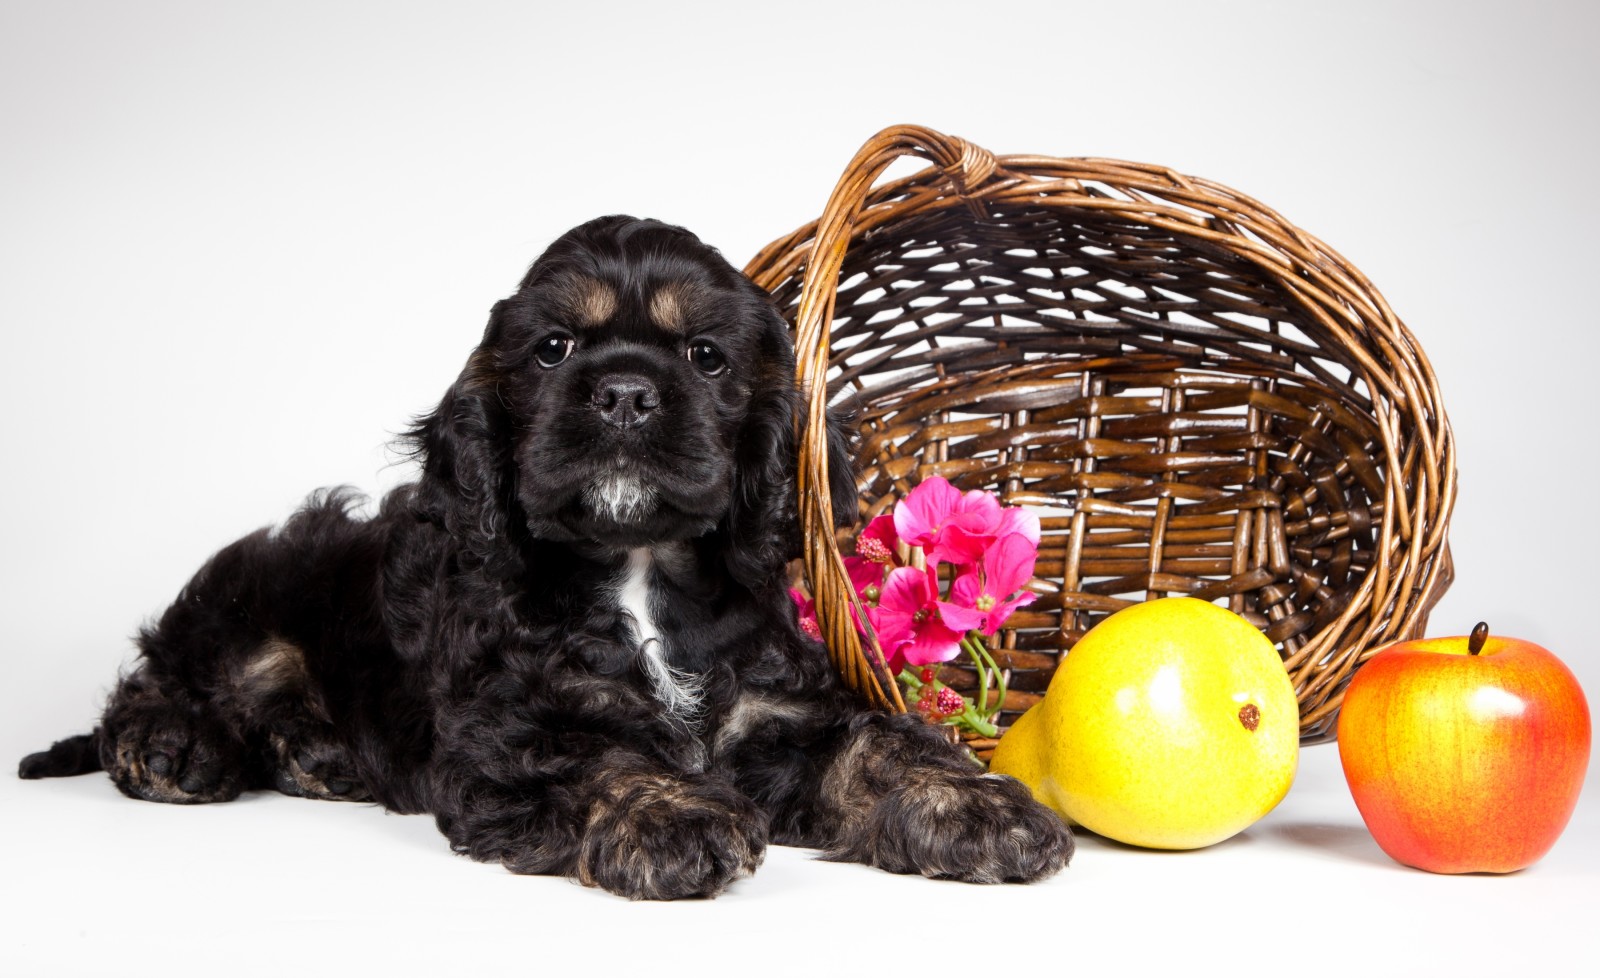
point(968, 168)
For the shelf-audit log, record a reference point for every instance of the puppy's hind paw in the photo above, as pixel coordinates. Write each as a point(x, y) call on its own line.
point(655, 837)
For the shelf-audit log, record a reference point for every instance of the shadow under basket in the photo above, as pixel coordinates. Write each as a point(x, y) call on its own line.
point(1196, 397)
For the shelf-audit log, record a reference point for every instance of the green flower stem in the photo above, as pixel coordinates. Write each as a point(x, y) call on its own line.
point(978, 662)
point(911, 681)
point(977, 723)
point(975, 647)
point(1000, 678)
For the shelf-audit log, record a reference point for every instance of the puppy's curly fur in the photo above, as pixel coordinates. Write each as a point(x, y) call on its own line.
point(570, 640)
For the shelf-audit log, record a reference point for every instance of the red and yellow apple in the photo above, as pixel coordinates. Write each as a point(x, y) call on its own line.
point(1465, 754)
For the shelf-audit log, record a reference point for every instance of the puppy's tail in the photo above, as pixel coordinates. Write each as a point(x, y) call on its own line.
point(64, 759)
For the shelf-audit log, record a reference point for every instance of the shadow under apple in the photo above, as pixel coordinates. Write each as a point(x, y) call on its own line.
point(1351, 842)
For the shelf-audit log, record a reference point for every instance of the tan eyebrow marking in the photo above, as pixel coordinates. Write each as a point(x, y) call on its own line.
point(587, 301)
point(671, 306)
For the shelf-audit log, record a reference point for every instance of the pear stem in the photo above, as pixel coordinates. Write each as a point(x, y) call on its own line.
point(1480, 635)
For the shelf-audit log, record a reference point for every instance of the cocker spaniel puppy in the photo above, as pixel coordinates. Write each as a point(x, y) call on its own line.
point(570, 640)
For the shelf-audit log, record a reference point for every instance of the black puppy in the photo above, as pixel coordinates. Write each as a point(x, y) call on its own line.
point(571, 639)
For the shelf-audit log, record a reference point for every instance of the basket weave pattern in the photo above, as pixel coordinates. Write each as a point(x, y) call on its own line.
point(1197, 397)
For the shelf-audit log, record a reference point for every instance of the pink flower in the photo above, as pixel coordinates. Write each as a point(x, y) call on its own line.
point(939, 701)
point(958, 527)
point(865, 575)
point(1021, 520)
point(913, 625)
point(867, 579)
point(949, 702)
point(807, 610)
point(879, 542)
point(988, 588)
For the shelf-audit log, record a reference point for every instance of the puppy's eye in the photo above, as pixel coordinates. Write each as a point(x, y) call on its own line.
point(551, 351)
point(707, 357)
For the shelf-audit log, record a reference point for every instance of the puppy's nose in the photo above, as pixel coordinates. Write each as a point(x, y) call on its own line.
point(625, 400)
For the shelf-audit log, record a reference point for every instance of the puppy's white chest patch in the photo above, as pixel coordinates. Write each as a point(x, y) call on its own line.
point(678, 691)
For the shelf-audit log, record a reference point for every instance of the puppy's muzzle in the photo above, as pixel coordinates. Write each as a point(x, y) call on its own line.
point(625, 400)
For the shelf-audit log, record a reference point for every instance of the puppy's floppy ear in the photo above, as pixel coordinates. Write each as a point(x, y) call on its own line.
point(763, 519)
point(464, 446)
point(841, 468)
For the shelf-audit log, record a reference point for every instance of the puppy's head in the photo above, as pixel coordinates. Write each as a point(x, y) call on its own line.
point(637, 389)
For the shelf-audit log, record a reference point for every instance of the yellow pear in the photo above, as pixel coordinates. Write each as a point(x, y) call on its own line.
point(1170, 725)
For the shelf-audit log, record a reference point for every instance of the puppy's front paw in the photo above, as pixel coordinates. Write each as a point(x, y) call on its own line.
point(656, 837)
point(162, 752)
point(969, 827)
point(311, 767)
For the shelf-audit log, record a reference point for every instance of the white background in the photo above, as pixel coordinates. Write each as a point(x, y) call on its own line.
point(242, 244)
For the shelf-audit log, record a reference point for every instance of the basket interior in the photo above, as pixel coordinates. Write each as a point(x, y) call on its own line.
point(1180, 423)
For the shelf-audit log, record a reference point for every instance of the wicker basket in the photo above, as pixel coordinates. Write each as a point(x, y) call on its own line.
point(1199, 398)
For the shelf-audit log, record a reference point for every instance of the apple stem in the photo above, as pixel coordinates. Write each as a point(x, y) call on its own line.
point(1480, 635)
